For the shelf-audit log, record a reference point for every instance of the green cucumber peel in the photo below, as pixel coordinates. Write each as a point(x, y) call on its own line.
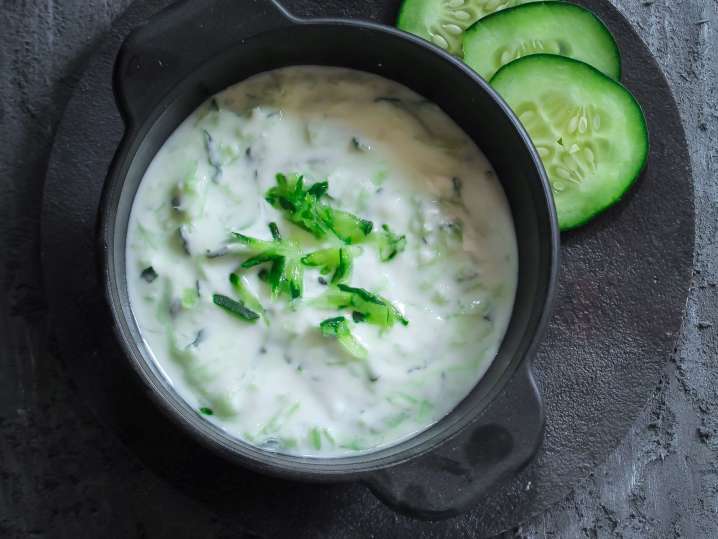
point(236, 308)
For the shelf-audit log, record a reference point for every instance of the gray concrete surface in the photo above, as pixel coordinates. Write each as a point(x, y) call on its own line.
point(661, 482)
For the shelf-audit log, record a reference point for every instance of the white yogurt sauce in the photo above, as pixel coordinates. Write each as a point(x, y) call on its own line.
point(390, 157)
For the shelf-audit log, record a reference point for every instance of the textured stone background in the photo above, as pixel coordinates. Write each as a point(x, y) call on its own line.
point(56, 462)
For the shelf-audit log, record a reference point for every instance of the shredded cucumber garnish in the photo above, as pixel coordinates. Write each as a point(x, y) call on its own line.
point(333, 259)
point(185, 354)
point(190, 298)
point(339, 327)
point(326, 259)
point(389, 243)
point(236, 308)
point(278, 419)
point(379, 178)
point(328, 436)
point(315, 438)
point(354, 445)
point(286, 272)
point(239, 285)
point(348, 227)
point(410, 406)
point(303, 207)
point(378, 310)
point(365, 306)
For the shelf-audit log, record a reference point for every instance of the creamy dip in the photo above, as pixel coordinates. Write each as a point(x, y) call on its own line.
point(439, 262)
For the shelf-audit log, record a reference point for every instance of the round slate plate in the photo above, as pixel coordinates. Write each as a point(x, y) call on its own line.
point(624, 280)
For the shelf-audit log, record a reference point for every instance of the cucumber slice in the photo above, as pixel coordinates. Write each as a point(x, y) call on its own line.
point(442, 22)
point(542, 27)
point(588, 129)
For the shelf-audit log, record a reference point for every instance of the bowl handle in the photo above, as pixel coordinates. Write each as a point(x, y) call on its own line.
point(159, 54)
point(452, 478)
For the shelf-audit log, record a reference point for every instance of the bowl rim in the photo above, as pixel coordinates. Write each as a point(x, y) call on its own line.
point(238, 451)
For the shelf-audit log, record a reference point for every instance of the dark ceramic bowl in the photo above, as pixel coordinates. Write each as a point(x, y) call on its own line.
point(193, 50)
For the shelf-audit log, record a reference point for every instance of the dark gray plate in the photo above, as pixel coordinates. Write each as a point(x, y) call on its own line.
point(624, 280)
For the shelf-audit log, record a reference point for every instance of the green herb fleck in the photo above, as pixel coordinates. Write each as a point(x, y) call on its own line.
point(454, 230)
point(206, 411)
point(360, 146)
point(183, 239)
point(457, 186)
point(149, 274)
point(213, 157)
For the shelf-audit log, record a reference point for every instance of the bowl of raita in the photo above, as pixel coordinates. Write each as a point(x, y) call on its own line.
point(327, 246)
